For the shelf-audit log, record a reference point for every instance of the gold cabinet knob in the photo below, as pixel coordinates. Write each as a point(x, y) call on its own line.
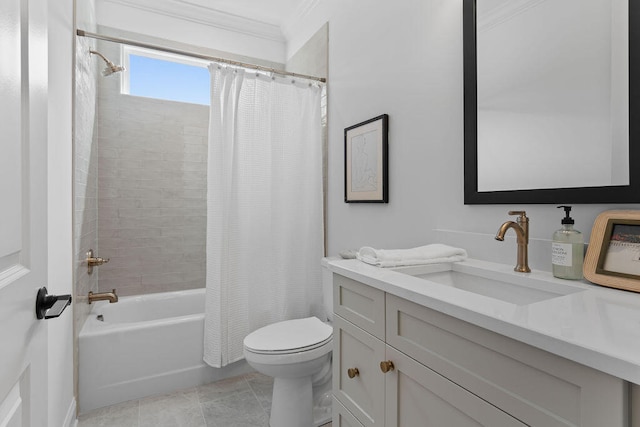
point(386, 366)
point(353, 372)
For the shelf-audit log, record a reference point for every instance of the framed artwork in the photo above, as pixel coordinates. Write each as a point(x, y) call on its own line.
point(366, 165)
point(613, 255)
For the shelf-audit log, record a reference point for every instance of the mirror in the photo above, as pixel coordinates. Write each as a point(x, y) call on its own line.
point(550, 101)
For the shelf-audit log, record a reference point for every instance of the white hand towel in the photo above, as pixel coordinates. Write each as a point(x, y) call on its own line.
point(429, 254)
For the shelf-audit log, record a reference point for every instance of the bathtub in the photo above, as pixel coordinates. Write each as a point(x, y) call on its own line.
point(144, 345)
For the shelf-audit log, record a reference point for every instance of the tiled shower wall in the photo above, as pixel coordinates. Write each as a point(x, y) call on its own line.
point(152, 167)
point(85, 177)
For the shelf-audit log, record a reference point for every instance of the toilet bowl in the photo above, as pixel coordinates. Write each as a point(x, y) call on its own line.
point(297, 354)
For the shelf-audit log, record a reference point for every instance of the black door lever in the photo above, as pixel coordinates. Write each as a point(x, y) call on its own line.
point(50, 306)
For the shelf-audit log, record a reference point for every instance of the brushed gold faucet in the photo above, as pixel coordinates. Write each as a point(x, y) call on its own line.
point(521, 227)
point(110, 296)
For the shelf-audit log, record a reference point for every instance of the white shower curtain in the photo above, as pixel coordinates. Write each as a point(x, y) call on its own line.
point(264, 207)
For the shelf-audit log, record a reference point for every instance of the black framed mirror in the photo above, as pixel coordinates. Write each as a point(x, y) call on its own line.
point(571, 83)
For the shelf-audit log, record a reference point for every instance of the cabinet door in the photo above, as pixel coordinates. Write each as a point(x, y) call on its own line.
point(417, 396)
point(342, 417)
point(359, 304)
point(536, 387)
point(362, 395)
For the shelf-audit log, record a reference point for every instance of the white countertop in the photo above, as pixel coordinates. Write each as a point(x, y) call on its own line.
point(596, 326)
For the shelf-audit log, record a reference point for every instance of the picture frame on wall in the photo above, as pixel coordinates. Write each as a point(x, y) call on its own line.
point(366, 163)
point(613, 254)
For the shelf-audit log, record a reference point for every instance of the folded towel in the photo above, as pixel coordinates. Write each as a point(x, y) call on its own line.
point(429, 254)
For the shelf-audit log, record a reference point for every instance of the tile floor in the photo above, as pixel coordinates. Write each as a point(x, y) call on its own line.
point(242, 401)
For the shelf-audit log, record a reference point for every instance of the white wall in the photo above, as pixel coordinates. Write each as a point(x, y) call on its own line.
point(61, 402)
point(311, 59)
point(86, 15)
point(404, 58)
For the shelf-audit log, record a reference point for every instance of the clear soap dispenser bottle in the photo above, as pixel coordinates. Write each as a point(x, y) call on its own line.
point(567, 250)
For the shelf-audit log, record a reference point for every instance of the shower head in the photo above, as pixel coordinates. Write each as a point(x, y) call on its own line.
point(111, 67)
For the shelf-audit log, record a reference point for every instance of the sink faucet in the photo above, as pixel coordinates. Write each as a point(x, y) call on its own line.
point(521, 227)
point(110, 296)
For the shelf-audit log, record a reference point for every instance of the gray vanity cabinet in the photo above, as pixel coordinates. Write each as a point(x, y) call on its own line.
point(419, 396)
point(447, 372)
point(358, 339)
point(363, 394)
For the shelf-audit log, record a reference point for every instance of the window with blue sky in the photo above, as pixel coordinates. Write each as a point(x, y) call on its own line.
point(155, 75)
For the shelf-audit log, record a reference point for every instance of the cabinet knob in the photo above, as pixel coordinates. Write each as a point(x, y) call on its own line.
point(386, 366)
point(353, 372)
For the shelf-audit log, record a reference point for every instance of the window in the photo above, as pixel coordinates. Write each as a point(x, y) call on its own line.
point(158, 75)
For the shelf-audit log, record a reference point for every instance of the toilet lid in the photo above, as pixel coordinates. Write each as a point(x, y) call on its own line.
point(290, 335)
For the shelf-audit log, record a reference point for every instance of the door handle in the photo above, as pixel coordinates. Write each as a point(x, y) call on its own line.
point(50, 306)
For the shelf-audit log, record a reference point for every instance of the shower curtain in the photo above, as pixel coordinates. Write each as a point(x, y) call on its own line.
point(264, 207)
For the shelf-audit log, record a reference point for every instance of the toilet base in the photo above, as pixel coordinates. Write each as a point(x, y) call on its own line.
point(293, 399)
point(292, 402)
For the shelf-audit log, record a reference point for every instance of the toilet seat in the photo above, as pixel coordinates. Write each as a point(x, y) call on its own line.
point(289, 336)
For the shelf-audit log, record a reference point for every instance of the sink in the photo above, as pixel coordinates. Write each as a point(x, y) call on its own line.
point(494, 281)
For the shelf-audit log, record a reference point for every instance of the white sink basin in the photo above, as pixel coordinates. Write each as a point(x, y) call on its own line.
point(493, 281)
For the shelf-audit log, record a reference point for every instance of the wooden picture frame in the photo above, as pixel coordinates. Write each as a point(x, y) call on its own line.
point(366, 163)
point(613, 255)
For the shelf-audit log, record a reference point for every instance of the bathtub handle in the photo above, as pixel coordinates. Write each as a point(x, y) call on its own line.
point(94, 261)
point(50, 306)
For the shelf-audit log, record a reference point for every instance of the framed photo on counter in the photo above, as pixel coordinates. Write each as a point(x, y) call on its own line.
point(613, 255)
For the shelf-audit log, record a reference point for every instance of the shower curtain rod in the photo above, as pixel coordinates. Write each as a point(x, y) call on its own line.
point(83, 33)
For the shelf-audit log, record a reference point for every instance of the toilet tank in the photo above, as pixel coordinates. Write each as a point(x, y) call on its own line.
point(327, 287)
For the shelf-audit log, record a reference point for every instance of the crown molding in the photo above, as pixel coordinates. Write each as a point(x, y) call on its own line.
point(188, 11)
point(504, 13)
point(304, 9)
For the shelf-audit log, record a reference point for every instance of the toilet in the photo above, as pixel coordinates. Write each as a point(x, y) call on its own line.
point(297, 354)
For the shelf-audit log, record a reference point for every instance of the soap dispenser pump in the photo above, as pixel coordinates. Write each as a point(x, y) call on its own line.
point(567, 249)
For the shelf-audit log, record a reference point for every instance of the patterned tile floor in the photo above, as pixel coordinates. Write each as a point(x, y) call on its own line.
point(242, 401)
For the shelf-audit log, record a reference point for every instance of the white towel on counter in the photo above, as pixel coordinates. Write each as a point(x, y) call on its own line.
point(429, 254)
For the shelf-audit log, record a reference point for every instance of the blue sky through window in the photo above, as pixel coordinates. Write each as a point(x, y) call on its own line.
point(156, 78)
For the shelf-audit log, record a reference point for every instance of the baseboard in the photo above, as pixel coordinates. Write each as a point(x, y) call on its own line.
point(70, 420)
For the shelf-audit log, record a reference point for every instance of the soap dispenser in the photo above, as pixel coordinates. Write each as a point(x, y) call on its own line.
point(567, 249)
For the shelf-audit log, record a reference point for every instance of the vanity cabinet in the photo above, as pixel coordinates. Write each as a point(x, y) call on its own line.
point(358, 382)
point(358, 337)
point(447, 372)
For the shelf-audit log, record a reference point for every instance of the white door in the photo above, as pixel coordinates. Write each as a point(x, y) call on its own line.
point(23, 204)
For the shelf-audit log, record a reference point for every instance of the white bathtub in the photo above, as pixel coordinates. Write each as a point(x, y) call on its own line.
point(144, 345)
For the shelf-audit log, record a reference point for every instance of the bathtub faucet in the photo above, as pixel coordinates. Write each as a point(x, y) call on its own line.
point(110, 296)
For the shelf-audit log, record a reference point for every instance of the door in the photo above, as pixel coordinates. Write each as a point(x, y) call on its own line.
point(342, 417)
point(418, 396)
point(357, 381)
point(23, 204)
